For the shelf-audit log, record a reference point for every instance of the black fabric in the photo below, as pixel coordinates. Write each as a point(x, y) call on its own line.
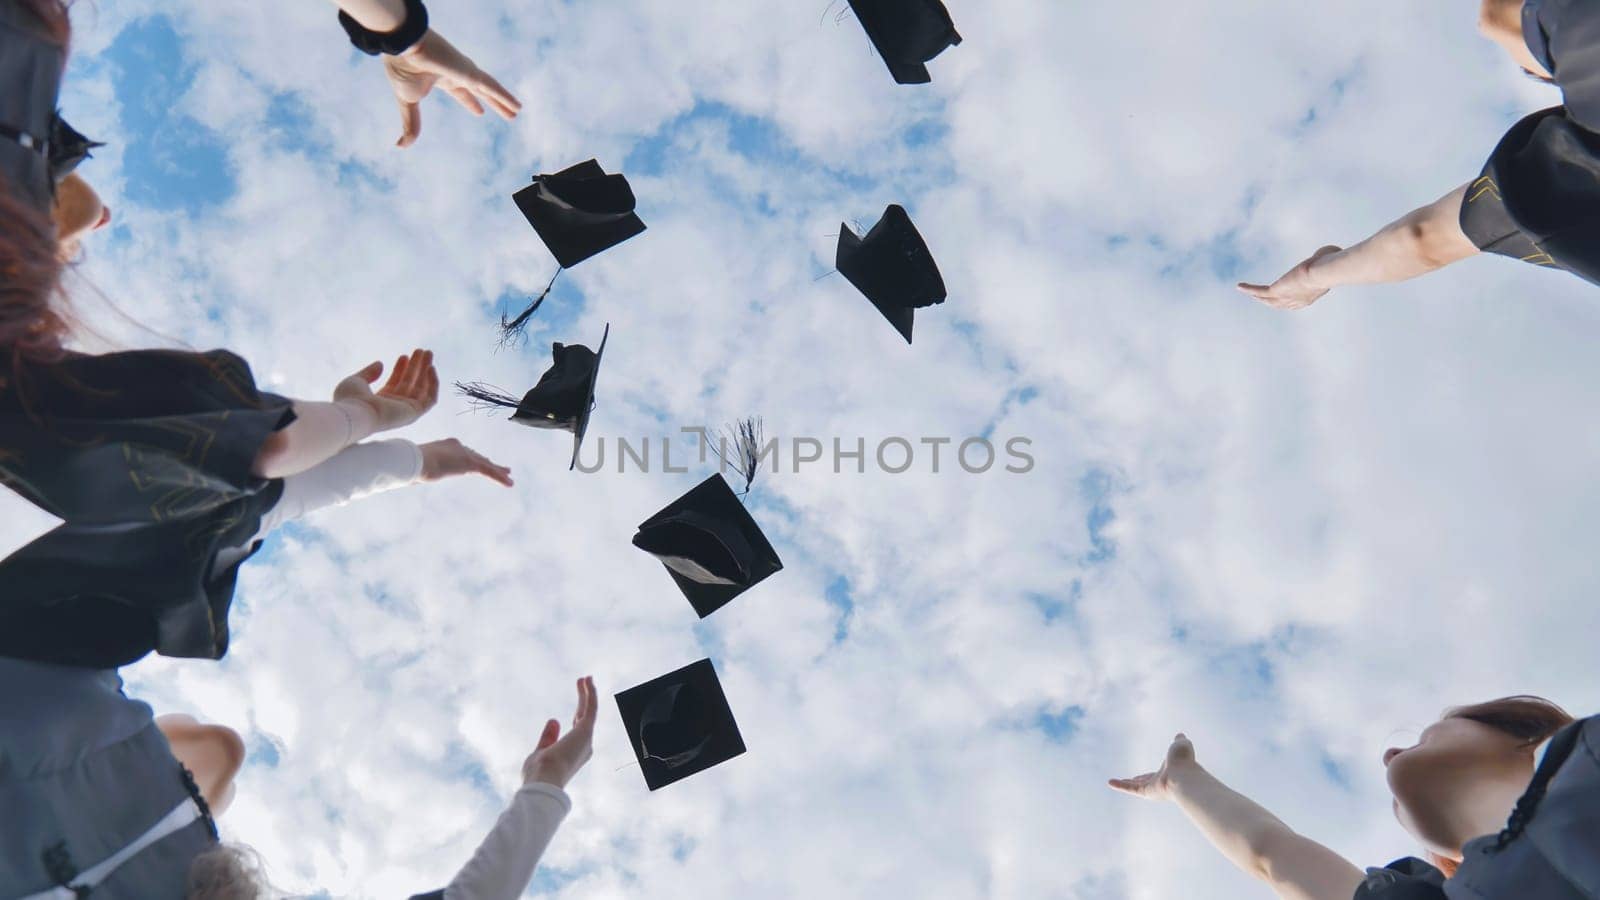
point(580, 211)
point(393, 42)
point(564, 396)
point(432, 895)
point(68, 148)
point(1549, 849)
point(1565, 34)
point(892, 267)
point(710, 545)
point(147, 457)
point(1403, 879)
point(907, 34)
point(1538, 199)
point(680, 724)
point(30, 69)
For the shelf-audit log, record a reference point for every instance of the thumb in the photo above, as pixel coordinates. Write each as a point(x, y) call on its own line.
point(370, 373)
point(410, 123)
point(552, 731)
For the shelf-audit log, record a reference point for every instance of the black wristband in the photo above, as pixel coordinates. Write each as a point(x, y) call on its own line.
point(393, 42)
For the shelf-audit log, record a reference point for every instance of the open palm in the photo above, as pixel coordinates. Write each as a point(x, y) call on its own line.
point(1157, 785)
point(435, 62)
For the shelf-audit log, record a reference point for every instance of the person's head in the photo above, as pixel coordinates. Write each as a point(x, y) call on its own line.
point(31, 262)
point(228, 872)
point(78, 211)
point(1466, 771)
point(1501, 21)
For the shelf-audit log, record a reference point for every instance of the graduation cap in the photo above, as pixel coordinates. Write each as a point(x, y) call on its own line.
point(710, 545)
point(68, 148)
point(892, 267)
point(680, 724)
point(577, 212)
point(562, 399)
point(907, 33)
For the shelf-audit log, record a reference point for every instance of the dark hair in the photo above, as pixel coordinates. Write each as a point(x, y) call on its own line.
point(1531, 720)
point(31, 327)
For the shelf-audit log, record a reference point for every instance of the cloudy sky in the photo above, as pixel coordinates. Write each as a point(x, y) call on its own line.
point(1295, 537)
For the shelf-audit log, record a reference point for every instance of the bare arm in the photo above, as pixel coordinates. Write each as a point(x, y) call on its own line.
point(1253, 839)
point(1419, 242)
point(382, 16)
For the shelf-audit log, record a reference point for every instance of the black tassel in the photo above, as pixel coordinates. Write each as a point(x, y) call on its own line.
point(744, 456)
point(485, 396)
point(512, 330)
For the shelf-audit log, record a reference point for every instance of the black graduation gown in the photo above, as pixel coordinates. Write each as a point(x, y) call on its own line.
point(146, 455)
point(1538, 198)
point(1549, 850)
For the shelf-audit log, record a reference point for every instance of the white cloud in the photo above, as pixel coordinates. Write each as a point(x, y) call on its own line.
point(1381, 502)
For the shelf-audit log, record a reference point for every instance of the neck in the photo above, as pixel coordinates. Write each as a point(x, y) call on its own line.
point(1485, 811)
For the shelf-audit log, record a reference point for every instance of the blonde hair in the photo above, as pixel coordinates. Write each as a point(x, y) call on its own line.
point(228, 872)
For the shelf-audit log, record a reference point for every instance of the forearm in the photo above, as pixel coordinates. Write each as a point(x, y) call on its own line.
point(1419, 242)
point(1237, 826)
point(319, 432)
point(355, 472)
point(375, 15)
point(503, 865)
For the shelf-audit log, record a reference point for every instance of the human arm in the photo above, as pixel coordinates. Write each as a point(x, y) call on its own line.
point(1419, 242)
point(321, 430)
point(504, 863)
point(1253, 839)
point(431, 62)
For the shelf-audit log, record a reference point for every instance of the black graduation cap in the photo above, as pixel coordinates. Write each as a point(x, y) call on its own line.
point(68, 148)
point(680, 724)
point(892, 267)
point(907, 33)
point(580, 211)
point(710, 545)
point(563, 398)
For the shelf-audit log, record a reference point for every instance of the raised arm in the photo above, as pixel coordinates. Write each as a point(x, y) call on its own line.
point(503, 865)
point(1417, 243)
point(321, 430)
point(430, 62)
point(1253, 839)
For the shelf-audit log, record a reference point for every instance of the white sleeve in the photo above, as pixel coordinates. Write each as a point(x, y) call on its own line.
point(503, 865)
point(352, 473)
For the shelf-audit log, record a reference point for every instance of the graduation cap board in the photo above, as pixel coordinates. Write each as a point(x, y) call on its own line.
point(891, 265)
point(907, 34)
point(680, 724)
point(710, 544)
point(578, 213)
point(563, 398)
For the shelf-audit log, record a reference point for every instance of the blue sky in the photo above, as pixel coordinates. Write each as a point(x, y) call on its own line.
point(1290, 537)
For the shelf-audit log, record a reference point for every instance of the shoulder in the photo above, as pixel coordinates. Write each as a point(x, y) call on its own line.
point(1403, 879)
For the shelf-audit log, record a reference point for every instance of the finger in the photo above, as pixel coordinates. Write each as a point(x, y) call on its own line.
point(491, 471)
point(465, 98)
point(593, 698)
point(397, 374)
point(416, 372)
point(433, 385)
point(371, 373)
point(506, 112)
point(410, 123)
point(485, 84)
point(552, 732)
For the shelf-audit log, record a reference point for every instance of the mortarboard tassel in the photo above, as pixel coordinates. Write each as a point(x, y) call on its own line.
point(485, 396)
point(745, 455)
point(511, 330)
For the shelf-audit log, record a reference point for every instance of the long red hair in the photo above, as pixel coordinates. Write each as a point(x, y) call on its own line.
point(31, 325)
point(1531, 720)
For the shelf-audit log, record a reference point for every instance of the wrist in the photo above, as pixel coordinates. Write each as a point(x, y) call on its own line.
point(1182, 775)
point(361, 418)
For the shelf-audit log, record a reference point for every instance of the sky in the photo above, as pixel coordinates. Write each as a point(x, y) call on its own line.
point(1294, 537)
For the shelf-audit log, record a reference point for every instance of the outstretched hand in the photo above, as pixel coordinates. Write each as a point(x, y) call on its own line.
point(449, 458)
point(1297, 289)
point(1157, 785)
point(412, 389)
point(434, 61)
point(557, 758)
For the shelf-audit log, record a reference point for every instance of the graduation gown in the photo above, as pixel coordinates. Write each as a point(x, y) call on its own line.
point(1538, 198)
point(146, 455)
point(1548, 851)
